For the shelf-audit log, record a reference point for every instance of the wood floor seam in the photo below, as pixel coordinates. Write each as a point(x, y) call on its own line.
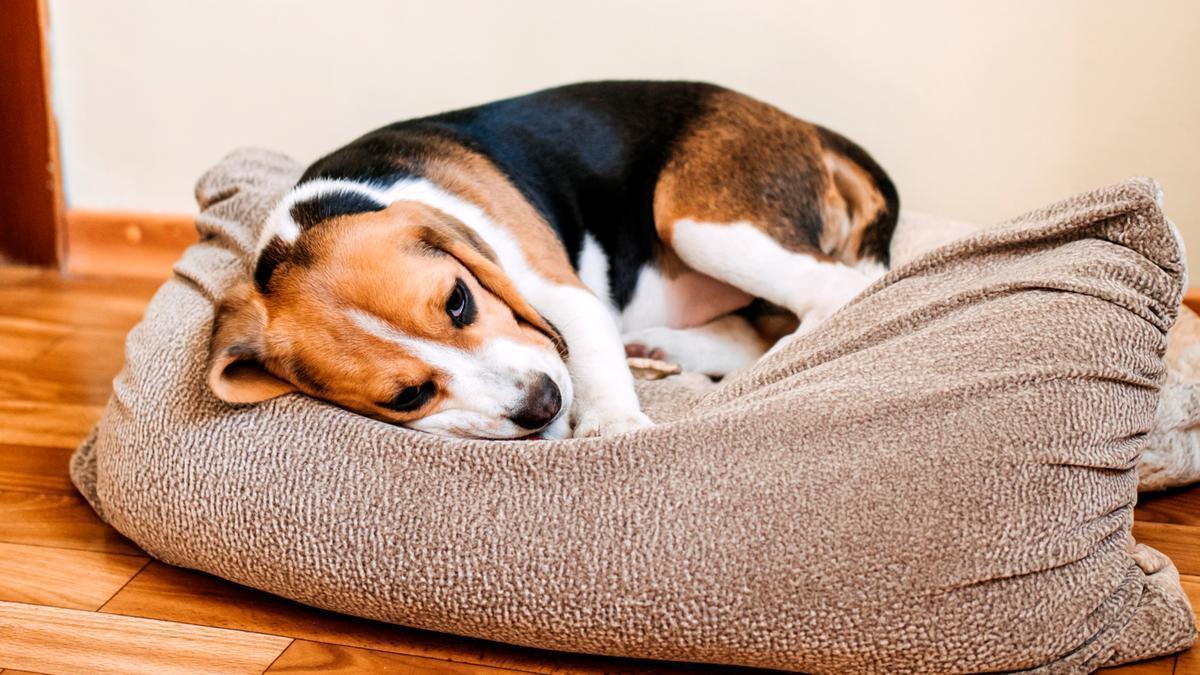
point(276, 659)
point(384, 650)
point(135, 575)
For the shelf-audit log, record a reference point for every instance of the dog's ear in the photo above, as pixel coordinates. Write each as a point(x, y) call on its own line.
point(456, 239)
point(235, 368)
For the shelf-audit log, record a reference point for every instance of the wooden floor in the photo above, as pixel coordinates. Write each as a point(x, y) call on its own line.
point(75, 596)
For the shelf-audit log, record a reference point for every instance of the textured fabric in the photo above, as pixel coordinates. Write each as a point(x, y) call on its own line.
point(1171, 453)
point(1171, 456)
point(940, 478)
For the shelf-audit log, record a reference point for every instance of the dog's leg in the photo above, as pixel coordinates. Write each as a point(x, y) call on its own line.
point(717, 348)
point(782, 210)
point(605, 401)
point(746, 257)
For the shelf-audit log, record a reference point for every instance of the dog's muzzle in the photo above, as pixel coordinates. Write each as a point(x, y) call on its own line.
point(541, 405)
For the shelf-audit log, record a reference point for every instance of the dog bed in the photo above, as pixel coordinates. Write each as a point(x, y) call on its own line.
point(940, 478)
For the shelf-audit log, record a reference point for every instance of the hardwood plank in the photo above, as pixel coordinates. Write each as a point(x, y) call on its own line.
point(73, 641)
point(1180, 506)
point(77, 368)
point(25, 339)
point(1188, 663)
point(126, 243)
point(175, 594)
point(32, 468)
point(63, 577)
point(1191, 586)
point(48, 297)
point(57, 521)
point(57, 351)
point(314, 657)
point(1181, 543)
point(16, 273)
point(59, 425)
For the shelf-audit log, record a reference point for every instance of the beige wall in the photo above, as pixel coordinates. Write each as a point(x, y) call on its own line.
point(978, 109)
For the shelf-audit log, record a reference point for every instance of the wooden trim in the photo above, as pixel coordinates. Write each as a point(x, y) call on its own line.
point(126, 243)
point(31, 200)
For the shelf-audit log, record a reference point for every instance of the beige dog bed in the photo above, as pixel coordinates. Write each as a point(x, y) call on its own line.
point(941, 478)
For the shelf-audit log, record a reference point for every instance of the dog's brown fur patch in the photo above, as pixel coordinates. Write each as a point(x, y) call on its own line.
point(748, 161)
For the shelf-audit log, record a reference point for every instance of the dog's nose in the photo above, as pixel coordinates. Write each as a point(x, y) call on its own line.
point(542, 403)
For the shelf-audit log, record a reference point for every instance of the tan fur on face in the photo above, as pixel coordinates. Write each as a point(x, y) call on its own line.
point(398, 265)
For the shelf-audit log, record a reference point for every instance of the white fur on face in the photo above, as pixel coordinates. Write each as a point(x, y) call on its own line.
point(280, 223)
point(483, 386)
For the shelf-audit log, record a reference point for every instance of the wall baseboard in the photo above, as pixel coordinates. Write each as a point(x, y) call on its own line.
point(125, 243)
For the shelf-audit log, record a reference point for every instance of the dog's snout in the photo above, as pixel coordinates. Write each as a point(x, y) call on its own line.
point(542, 403)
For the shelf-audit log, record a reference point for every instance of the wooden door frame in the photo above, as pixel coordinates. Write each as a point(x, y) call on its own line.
point(36, 227)
point(31, 193)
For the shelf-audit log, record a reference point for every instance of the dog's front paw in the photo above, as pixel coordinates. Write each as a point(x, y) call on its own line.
point(607, 422)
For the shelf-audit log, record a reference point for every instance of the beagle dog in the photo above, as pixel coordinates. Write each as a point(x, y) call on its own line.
point(484, 272)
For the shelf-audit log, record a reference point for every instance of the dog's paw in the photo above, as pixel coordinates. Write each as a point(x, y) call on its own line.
point(637, 350)
point(601, 422)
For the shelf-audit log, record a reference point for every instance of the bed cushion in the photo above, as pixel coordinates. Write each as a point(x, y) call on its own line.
point(940, 478)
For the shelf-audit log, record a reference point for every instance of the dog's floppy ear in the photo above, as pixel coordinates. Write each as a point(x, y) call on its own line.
point(235, 370)
point(454, 238)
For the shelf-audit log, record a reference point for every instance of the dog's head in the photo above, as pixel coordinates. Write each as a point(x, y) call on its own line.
point(401, 314)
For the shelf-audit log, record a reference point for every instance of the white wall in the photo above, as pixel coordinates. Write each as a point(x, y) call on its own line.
point(978, 109)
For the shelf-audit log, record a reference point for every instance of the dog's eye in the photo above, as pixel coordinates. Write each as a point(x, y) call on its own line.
point(410, 398)
point(461, 306)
